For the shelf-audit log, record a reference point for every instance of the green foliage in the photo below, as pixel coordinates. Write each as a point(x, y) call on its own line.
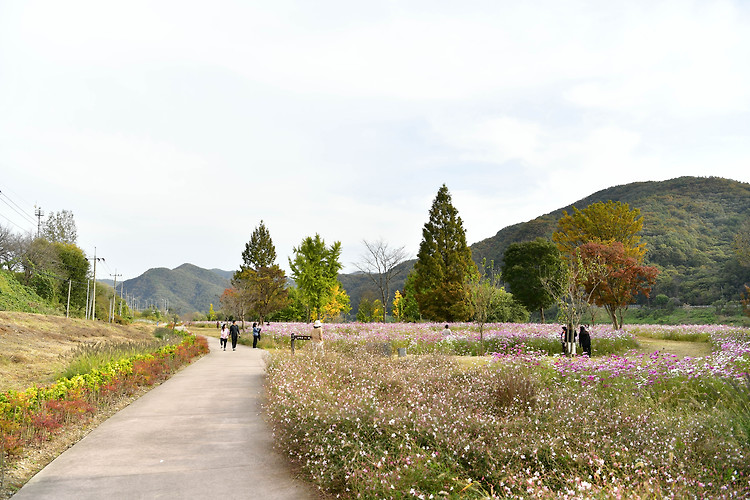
point(689, 226)
point(315, 271)
point(506, 309)
point(410, 306)
point(295, 310)
point(73, 266)
point(444, 266)
point(263, 289)
point(259, 251)
point(528, 267)
point(15, 296)
point(369, 310)
point(60, 227)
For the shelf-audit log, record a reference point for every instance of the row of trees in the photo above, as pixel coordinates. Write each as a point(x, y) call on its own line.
point(261, 289)
point(595, 258)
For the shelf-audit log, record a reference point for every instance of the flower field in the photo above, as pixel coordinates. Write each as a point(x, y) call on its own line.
point(37, 413)
point(526, 425)
point(423, 338)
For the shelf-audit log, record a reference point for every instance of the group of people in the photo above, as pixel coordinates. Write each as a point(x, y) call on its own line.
point(584, 339)
point(233, 331)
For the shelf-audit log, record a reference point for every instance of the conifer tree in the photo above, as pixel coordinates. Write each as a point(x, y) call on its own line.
point(444, 266)
point(259, 251)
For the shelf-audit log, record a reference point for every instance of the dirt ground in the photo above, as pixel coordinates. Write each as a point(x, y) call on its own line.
point(34, 347)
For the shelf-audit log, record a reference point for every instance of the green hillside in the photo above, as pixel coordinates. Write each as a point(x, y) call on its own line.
point(16, 297)
point(188, 288)
point(689, 225)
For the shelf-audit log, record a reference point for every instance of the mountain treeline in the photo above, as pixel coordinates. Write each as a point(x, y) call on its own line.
point(689, 226)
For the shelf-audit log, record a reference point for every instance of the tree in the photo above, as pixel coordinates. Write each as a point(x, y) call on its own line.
point(60, 227)
point(613, 279)
point(370, 309)
point(259, 251)
point(315, 270)
point(264, 290)
point(381, 264)
point(398, 306)
point(484, 293)
point(73, 267)
point(408, 304)
point(337, 305)
point(601, 223)
point(603, 252)
point(527, 266)
point(211, 313)
point(232, 303)
point(444, 266)
point(40, 257)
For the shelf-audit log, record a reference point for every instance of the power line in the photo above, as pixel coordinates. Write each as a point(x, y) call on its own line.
point(13, 208)
point(26, 216)
point(19, 227)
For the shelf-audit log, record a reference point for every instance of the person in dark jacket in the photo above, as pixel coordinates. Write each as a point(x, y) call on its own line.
point(234, 331)
point(256, 335)
point(584, 338)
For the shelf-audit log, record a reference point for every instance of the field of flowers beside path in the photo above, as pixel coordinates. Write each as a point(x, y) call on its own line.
point(527, 425)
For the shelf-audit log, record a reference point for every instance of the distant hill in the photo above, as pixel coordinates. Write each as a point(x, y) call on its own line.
point(689, 225)
point(187, 288)
point(358, 284)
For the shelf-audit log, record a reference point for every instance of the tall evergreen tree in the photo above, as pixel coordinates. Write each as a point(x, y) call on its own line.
point(444, 266)
point(259, 251)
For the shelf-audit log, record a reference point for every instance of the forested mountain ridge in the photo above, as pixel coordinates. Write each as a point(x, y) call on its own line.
point(187, 288)
point(689, 226)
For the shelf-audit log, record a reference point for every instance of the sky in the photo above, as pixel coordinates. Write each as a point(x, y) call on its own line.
point(172, 128)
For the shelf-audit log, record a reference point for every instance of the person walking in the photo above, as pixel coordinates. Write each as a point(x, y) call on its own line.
point(256, 335)
point(234, 331)
point(584, 338)
point(223, 337)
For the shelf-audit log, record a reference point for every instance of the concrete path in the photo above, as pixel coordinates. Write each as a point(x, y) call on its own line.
point(201, 434)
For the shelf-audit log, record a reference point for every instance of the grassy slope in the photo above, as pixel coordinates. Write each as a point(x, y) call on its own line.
point(16, 297)
point(33, 347)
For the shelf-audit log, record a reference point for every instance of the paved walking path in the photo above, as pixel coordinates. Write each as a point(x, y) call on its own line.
point(201, 434)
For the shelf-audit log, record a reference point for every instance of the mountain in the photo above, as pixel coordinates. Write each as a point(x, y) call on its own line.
point(359, 284)
point(186, 288)
point(689, 225)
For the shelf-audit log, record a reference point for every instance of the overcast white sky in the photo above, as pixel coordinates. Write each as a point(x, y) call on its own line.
point(171, 128)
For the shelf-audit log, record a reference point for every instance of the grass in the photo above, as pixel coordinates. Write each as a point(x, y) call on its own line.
point(35, 348)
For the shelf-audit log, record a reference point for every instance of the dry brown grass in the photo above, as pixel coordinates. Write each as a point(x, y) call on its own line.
point(34, 347)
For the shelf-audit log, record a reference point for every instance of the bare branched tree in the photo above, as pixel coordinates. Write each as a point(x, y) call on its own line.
point(381, 265)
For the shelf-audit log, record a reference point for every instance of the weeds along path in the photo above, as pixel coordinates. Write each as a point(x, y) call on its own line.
point(201, 434)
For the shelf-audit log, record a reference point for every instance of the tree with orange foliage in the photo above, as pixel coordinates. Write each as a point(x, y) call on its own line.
point(613, 279)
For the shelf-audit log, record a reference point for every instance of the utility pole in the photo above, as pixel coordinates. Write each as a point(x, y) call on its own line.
point(122, 290)
point(67, 309)
point(93, 294)
point(39, 214)
point(114, 297)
